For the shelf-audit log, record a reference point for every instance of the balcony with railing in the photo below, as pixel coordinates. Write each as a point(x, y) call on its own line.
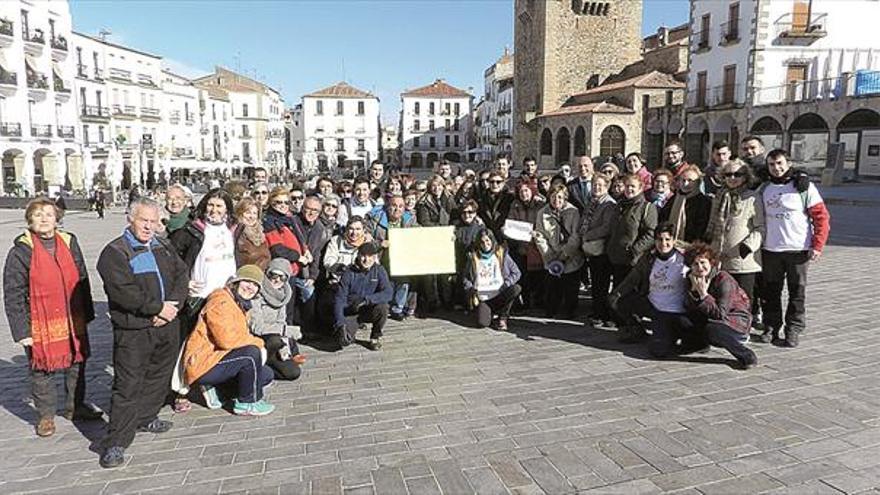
point(204, 130)
point(848, 85)
point(797, 28)
point(125, 111)
point(7, 32)
point(82, 71)
point(150, 113)
point(120, 74)
point(700, 40)
point(146, 80)
point(99, 74)
point(8, 82)
point(182, 152)
point(62, 92)
point(95, 112)
point(34, 41)
point(37, 84)
point(729, 32)
point(190, 118)
point(723, 96)
point(59, 48)
point(66, 132)
point(174, 117)
point(41, 131)
point(10, 129)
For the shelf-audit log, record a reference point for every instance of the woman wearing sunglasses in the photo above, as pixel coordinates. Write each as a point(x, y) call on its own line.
point(736, 225)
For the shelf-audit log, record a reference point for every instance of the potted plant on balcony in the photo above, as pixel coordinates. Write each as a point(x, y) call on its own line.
point(38, 36)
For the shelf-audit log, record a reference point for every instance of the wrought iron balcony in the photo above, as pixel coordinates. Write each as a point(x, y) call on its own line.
point(729, 32)
point(82, 70)
point(120, 74)
point(8, 78)
point(36, 80)
point(700, 40)
point(36, 36)
point(10, 129)
point(41, 131)
point(795, 27)
point(59, 43)
point(58, 85)
point(124, 110)
point(66, 131)
point(95, 112)
point(6, 27)
point(149, 113)
point(725, 95)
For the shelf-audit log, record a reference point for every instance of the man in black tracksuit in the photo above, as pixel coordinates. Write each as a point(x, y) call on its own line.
point(145, 282)
point(363, 294)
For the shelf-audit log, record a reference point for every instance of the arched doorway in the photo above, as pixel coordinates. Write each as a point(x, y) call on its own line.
point(452, 156)
point(697, 145)
point(431, 160)
point(860, 130)
point(12, 170)
point(580, 141)
point(769, 130)
point(126, 175)
point(546, 146)
point(44, 170)
point(808, 143)
point(612, 141)
point(415, 160)
point(563, 146)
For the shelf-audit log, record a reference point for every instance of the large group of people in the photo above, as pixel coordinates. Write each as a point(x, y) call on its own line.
point(211, 300)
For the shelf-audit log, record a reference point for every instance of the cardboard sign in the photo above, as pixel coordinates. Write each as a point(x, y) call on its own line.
point(421, 251)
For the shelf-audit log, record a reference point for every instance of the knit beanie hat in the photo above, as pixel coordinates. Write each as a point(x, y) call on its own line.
point(251, 273)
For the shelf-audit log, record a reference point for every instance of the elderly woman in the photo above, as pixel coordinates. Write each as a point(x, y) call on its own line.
point(279, 229)
point(220, 348)
point(558, 241)
point(637, 165)
point(489, 280)
point(435, 209)
point(48, 304)
point(268, 320)
point(207, 245)
point(177, 202)
point(689, 209)
point(661, 192)
point(525, 208)
point(251, 246)
point(633, 235)
point(598, 220)
point(330, 214)
point(721, 310)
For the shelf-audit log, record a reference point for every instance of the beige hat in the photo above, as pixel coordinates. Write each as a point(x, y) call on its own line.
point(251, 273)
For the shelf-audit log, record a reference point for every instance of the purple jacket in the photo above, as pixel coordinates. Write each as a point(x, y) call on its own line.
point(726, 302)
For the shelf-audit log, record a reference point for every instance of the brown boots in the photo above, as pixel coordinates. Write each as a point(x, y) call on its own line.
point(46, 427)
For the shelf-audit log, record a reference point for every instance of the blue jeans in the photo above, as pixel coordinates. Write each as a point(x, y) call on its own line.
point(721, 335)
point(398, 302)
point(244, 365)
point(303, 292)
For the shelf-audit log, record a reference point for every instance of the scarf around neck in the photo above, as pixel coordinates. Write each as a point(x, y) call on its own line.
point(58, 329)
point(678, 215)
point(177, 221)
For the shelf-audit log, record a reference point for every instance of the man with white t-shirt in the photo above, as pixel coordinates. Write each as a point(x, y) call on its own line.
point(657, 287)
point(797, 225)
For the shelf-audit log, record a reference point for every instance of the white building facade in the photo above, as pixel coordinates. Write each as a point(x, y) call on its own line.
point(340, 129)
point(495, 132)
point(39, 144)
point(800, 73)
point(435, 124)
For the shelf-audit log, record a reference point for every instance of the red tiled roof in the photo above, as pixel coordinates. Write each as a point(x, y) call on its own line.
point(599, 107)
point(438, 88)
point(341, 90)
point(653, 79)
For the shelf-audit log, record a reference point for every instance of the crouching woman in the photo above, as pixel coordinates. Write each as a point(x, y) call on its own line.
point(220, 349)
point(268, 321)
point(490, 281)
point(719, 304)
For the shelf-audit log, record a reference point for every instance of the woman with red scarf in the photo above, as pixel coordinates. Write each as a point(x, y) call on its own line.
point(48, 304)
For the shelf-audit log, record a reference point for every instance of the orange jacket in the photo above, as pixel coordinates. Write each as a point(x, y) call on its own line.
point(221, 327)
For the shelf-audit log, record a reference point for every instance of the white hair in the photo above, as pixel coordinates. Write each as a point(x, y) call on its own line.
point(142, 202)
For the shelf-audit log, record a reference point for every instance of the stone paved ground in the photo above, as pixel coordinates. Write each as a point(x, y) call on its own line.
point(551, 407)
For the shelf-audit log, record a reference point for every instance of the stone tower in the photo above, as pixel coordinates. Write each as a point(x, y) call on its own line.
point(564, 47)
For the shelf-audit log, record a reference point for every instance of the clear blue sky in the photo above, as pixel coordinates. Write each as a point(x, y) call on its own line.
point(300, 46)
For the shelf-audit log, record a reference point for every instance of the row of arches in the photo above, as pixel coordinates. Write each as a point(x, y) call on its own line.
point(33, 173)
point(612, 141)
point(416, 160)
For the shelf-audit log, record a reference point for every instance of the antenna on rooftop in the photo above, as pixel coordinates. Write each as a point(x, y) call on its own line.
point(104, 33)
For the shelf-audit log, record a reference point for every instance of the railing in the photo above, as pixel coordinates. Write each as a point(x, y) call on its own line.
point(788, 27)
point(6, 27)
point(127, 110)
point(99, 74)
point(150, 112)
point(204, 130)
point(59, 43)
point(729, 32)
point(95, 111)
point(58, 86)
point(723, 95)
point(122, 74)
point(826, 89)
point(82, 70)
point(11, 129)
point(36, 37)
point(145, 80)
point(246, 135)
point(65, 131)
point(43, 131)
point(8, 78)
point(700, 40)
point(174, 117)
point(37, 81)
point(190, 118)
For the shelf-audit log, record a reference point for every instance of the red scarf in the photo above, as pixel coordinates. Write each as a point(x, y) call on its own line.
point(57, 328)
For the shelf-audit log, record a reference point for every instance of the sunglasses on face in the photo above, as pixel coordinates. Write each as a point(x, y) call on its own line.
point(331, 205)
point(277, 276)
point(261, 193)
point(496, 181)
point(313, 210)
point(296, 198)
point(734, 175)
point(280, 203)
point(468, 212)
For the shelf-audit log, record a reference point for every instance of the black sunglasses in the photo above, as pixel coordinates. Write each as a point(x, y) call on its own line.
point(732, 175)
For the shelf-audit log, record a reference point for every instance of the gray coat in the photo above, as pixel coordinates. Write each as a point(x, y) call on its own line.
point(268, 314)
point(557, 237)
point(737, 218)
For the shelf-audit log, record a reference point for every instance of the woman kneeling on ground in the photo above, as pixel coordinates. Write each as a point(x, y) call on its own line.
point(490, 281)
point(268, 321)
point(719, 305)
point(220, 349)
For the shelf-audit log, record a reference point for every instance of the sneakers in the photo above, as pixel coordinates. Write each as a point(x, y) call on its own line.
point(156, 426)
point(397, 316)
point(259, 408)
point(792, 338)
point(375, 344)
point(112, 457)
point(45, 427)
point(212, 399)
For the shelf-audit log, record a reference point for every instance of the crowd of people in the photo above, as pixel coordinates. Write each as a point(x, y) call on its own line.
point(211, 299)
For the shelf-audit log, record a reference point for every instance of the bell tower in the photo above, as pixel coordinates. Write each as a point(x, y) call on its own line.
point(564, 47)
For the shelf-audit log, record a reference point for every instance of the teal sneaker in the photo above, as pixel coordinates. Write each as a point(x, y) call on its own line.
point(259, 408)
point(212, 399)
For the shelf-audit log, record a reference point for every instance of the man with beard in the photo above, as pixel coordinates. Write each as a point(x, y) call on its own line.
point(673, 157)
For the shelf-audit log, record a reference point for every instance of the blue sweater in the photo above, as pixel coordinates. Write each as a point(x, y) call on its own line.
point(371, 286)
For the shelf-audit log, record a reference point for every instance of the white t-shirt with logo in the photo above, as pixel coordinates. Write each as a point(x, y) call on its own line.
point(667, 284)
point(489, 278)
point(215, 263)
point(786, 218)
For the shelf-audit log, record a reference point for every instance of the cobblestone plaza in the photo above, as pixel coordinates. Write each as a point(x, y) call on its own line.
point(548, 407)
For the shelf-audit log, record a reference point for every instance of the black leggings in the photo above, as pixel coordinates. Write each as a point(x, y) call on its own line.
point(285, 369)
point(562, 294)
point(601, 271)
point(498, 306)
